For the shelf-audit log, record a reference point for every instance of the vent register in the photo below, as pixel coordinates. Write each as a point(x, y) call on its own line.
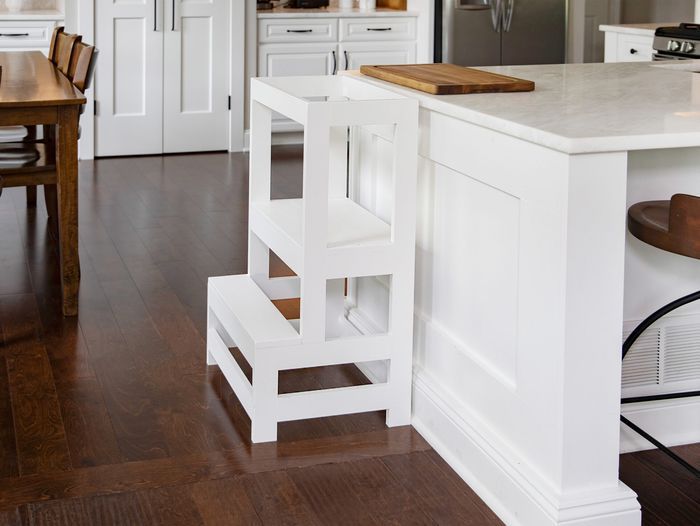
point(665, 358)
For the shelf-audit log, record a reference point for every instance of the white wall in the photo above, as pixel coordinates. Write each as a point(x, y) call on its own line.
point(634, 11)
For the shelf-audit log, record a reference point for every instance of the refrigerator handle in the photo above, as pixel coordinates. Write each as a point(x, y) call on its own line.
point(508, 15)
point(497, 15)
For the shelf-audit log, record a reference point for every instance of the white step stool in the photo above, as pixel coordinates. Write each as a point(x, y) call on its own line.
point(325, 237)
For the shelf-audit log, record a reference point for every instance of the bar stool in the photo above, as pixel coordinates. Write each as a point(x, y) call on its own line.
point(673, 226)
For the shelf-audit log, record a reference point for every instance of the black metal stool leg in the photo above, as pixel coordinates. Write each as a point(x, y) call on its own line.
point(634, 335)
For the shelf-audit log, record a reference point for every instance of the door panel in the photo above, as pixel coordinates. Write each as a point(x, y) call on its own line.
point(129, 85)
point(354, 55)
point(469, 38)
point(196, 73)
point(537, 33)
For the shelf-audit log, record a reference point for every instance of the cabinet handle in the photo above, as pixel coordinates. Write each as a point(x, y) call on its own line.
point(155, 15)
point(633, 51)
point(335, 63)
point(173, 26)
point(347, 62)
point(14, 34)
point(300, 30)
point(379, 29)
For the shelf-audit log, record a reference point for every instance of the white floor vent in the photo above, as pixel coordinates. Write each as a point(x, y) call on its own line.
point(665, 358)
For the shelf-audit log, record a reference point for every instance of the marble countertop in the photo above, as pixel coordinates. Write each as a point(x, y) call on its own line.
point(35, 14)
point(330, 12)
point(585, 108)
point(636, 29)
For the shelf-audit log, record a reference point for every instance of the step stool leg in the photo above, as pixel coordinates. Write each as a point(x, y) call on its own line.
point(400, 373)
point(335, 307)
point(400, 379)
point(258, 259)
point(210, 356)
point(264, 420)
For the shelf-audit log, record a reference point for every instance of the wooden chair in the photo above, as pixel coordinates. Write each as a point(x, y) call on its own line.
point(63, 50)
point(54, 38)
point(28, 133)
point(673, 226)
point(41, 170)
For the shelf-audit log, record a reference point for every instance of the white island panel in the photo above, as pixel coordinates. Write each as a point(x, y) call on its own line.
point(526, 276)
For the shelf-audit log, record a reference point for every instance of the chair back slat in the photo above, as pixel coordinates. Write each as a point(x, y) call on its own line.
point(64, 50)
point(82, 65)
point(54, 37)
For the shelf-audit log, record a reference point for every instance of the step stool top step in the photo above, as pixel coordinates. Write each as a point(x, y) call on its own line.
point(348, 223)
point(253, 310)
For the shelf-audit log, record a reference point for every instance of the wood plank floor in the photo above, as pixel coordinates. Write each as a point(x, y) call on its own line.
point(113, 418)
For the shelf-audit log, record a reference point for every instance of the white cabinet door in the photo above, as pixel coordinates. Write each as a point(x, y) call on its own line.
point(284, 60)
point(196, 72)
point(129, 83)
point(356, 54)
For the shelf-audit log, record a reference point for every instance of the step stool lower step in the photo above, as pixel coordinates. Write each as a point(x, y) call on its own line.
point(241, 315)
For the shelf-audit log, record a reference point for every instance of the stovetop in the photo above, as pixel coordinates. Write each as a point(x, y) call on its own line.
point(681, 41)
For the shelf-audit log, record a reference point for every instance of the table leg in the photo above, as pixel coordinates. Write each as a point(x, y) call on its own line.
point(67, 184)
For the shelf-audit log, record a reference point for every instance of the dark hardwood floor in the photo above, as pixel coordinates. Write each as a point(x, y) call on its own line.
point(113, 418)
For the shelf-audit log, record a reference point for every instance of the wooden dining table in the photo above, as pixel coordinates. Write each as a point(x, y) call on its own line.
point(34, 92)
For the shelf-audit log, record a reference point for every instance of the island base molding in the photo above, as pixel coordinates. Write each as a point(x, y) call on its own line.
point(673, 422)
point(518, 499)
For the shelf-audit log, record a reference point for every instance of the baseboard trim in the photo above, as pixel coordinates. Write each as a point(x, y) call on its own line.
point(673, 422)
point(512, 496)
point(513, 491)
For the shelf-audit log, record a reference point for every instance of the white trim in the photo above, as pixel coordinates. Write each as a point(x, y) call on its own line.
point(238, 138)
point(85, 20)
point(516, 492)
point(673, 422)
point(515, 498)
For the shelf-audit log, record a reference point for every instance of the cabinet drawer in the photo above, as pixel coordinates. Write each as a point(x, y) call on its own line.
point(633, 48)
point(377, 29)
point(296, 30)
point(26, 34)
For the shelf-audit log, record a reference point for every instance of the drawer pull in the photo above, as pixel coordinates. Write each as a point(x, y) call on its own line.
point(14, 34)
point(378, 29)
point(300, 30)
point(633, 51)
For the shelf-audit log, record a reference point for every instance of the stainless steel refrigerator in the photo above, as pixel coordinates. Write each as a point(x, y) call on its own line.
point(493, 32)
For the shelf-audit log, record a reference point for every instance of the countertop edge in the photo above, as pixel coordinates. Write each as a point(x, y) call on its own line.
point(552, 141)
point(632, 29)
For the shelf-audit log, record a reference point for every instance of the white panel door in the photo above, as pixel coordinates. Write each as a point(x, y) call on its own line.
point(129, 83)
point(196, 73)
point(356, 54)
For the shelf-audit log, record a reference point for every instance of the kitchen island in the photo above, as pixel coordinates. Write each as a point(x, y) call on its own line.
point(526, 278)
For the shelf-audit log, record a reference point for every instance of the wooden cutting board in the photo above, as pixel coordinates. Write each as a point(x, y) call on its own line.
point(447, 79)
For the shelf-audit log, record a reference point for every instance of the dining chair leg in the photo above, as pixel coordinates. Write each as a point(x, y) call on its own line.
point(31, 196)
point(51, 200)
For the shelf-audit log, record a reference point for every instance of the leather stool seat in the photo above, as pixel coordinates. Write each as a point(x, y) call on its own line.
point(673, 226)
